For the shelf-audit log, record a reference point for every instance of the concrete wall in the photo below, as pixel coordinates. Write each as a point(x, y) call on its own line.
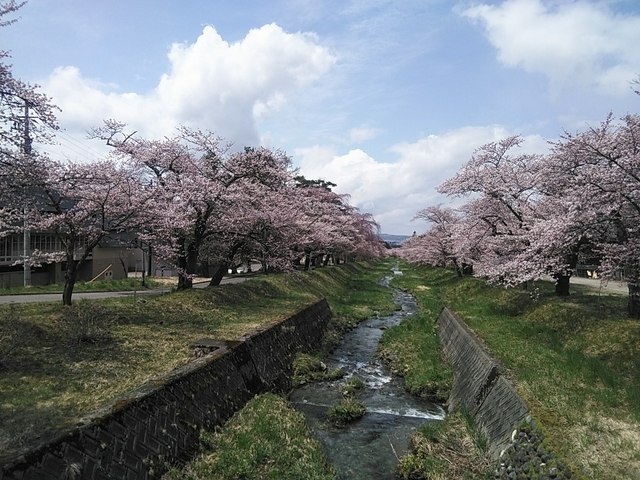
point(479, 385)
point(160, 422)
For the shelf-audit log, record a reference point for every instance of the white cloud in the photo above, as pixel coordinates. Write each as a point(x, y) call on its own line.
point(572, 43)
point(394, 192)
point(211, 84)
point(363, 133)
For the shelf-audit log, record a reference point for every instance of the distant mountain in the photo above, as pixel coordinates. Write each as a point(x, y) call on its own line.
point(386, 237)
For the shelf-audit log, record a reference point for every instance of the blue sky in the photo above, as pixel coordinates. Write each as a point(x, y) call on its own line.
point(385, 98)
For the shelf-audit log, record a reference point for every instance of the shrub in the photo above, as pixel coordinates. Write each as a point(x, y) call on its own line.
point(85, 322)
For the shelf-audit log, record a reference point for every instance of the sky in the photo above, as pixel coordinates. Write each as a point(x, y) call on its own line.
point(385, 98)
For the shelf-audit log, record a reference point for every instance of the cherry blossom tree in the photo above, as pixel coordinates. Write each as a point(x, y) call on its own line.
point(438, 246)
point(331, 228)
point(259, 224)
point(292, 220)
point(602, 167)
point(501, 211)
point(216, 206)
point(509, 228)
point(205, 194)
point(82, 204)
point(532, 215)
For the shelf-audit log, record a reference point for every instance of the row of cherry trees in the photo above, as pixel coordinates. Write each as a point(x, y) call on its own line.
point(189, 197)
point(215, 205)
point(528, 216)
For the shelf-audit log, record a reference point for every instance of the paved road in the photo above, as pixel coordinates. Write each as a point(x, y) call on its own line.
point(611, 287)
point(56, 297)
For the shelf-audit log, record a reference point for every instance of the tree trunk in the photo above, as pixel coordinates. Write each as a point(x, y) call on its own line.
point(149, 261)
point(189, 265)
point(634, 300)
point(124, 267)
point(184, 282)
point(633, 283)
point(70, 277)
point(307, 262)
point(218, 274)
point(73, 267)
point(457, 267)
point(562, 284)
point(563, 278)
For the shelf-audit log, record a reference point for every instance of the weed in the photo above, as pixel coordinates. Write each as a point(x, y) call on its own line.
point(445, 450)
point(122, 285)
point(309, 368)
point(85, 322)
point(351, 386)
point(345, 411)
point(72, 471)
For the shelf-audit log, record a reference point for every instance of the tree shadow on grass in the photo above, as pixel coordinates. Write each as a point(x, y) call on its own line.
point(49, 380)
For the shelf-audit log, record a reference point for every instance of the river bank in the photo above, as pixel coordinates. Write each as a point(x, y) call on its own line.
point(574, 360)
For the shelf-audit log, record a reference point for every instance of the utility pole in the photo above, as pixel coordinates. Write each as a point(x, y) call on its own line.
point(26, 240)
point(27, 138)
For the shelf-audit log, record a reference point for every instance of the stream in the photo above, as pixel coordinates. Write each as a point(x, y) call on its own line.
point(368, 448)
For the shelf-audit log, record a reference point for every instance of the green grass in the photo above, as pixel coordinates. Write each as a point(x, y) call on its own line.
point(309, 368)
point(449, 449)
point(50, 380)
point(412, 349)
point(265, 440)
point(575, 361)
point(351, 386)
point(345, 411)
point(122, 285)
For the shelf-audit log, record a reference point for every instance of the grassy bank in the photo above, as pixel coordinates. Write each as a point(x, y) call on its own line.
point(265, 440)
point(448, 450)
point(50, 378)
point(575, 360)
point(412, 349)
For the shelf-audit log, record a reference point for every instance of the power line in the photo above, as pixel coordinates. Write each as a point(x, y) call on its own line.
point(68, 142)
point(81, 145)
point(73, 144)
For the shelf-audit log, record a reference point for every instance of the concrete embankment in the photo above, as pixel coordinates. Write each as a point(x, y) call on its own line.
point(159, 423)
point(480, 387)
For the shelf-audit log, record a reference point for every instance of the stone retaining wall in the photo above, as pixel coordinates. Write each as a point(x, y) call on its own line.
point(159, 423)
point(478, 384)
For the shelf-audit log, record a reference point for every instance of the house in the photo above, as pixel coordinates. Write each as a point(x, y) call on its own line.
point(113, 258)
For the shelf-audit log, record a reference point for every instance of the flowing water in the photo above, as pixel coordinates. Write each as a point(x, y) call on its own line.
point(368, 448)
